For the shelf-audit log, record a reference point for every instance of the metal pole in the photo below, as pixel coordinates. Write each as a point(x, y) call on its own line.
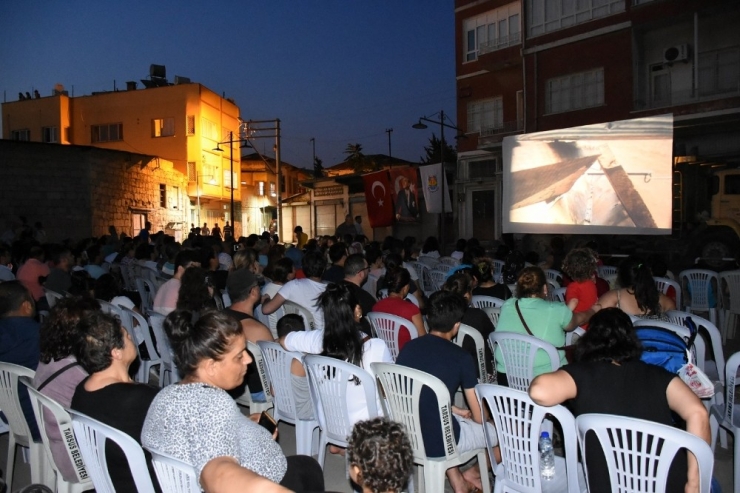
point(388, 131)
point(277, 170)
point(313, 143)
point(444, 190)
point(197, 193)
point(231, 180)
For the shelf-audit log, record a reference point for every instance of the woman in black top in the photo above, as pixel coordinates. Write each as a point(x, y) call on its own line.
point(487, 286)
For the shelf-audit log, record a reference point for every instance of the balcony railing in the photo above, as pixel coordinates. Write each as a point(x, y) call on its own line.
point(503, 128)
point(499, 43)
point(679, 98)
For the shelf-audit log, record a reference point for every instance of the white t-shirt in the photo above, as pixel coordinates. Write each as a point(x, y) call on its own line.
point(304, 292)
point(373, 351)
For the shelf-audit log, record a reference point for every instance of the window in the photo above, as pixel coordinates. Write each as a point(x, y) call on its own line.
point(484, 115)
point(550, 15)
point(732, 184)
point(273, 192)
point(478, 170)
point(261, 188)
point(228, 179)
point(719, 71)
point(163, 195)
point(491, 31)
point(575, 91)
point(107, 133)
point(176, 194)
point(24, 135)
point(192, 171)
point(210, 129)
point(50, 134)
point(163, 127)
point(190, 125)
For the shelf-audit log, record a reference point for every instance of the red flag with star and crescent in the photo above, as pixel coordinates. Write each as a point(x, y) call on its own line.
point(378, 197)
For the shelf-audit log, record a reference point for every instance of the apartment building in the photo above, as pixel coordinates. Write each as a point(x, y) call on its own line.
point(534, 65)
point(184, 123)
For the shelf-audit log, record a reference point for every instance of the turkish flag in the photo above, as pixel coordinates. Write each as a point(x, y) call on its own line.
point(378, 198)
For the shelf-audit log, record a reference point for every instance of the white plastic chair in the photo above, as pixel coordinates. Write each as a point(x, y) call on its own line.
point(147, 290)
point(452, 262)
point(479, 301)
point(713, 366)
point(246, 398)
point(127, 277)
point(722, 417)
point(91, 437)
point(493, 313)
point(438, 278)
point(664, 284)
point(43, 403)
point(480, 349)
point(292, 307)
point(518, 421)
point(730, 289)
point(611, 279)
point(699, 283)
point(402, 388)
point(425, 279)
point(371, 285)
point(431, 262)
point(519, 352)
point(52, 297)
point(606, 270)
point(629, 442)
point(111, 309)
point(167, 369)
point(173, 474)
point(142, 335)
point(329, 379)
point(19, 433)
point(573, 336)
point(444, 267)
point(697, 352)
point(277, 362)
point(554, 276)
point(559, 294)
point(498, 270)
point(388, 327)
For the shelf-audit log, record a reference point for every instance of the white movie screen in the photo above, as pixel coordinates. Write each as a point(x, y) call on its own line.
point(609, 178)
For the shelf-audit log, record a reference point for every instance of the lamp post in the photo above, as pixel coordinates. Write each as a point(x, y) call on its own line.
point(441, 122)
point(231, 142)
point(254, 129)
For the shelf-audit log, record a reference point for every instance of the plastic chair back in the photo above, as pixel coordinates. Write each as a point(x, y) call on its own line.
point(246, 398)
point(329, 379)
point(388, 328)
point(174, 475)
point(554, 276)
point(167, 370)
point(713, 366)
point(441, 266)
point(292, 307)
point(147, 290)
point(498, 270)
point(52, 297)
point(664, 284)
point(559, 295)
point(518, 421)
point(91, 436)
point(519, 352)
point(573, 336)
point(401, 387)
point(480, 348)
point(431, 262)
point(606, 270)
point(697, 349)
point(141, 335)
point(111, 309)
point(699, 285)
point(452, 262)
point(630, 441)
point(493, 313)
point(479, 301)
point(438, 278)
point(63, 421)
point(425, 279)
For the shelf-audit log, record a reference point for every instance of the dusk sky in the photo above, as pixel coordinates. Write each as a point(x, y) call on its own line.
point(339, 71)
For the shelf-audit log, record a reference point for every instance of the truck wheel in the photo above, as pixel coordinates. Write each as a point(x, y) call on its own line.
point(717, 248)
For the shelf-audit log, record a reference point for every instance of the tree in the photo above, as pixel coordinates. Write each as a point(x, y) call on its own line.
point(357, 159)
point(318, 169)
point(434, 152)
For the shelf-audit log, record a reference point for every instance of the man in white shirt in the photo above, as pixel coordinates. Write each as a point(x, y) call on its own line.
point(302, 291)
point(165, 301)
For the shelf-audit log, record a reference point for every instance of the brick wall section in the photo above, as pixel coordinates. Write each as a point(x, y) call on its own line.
point(78, 191)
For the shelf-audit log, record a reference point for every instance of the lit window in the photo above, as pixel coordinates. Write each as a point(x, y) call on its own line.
point(575, 91)
point(163, 195)
point(550, 15)
point(486, 114)
point(107, 133)
point(493, 30)
point(273, 193)
point(261, 188)
point(190, 126)
point(163, 127)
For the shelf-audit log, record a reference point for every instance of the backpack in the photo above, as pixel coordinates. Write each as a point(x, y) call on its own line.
point(665, 348)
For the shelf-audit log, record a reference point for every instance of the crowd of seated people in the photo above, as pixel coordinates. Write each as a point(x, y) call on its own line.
point(219, 293)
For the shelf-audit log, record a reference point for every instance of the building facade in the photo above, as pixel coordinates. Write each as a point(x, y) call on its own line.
point(535, 65)
point(186, 124)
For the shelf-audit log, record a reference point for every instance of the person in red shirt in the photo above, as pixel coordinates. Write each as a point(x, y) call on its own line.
point(398, 281)
point(33, 273)
point(580, 294)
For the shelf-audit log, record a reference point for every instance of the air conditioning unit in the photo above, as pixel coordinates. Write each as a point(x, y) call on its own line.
point(677, 53)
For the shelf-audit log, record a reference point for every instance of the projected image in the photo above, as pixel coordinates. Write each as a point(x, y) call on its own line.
point(606, 178)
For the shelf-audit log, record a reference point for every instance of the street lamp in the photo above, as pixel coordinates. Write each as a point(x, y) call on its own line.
point(231, 179)
point(422, 126)
point(253, 129)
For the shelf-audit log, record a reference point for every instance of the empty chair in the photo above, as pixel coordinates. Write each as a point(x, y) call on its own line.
point(142, 337)
point(19, 433)
point(701, 294)
point(664, 285)
point(518, 421)
point(730, 288)
point(292, 307)
point(174, 475)
point(147, 289)
point(519, 353)
point(639, 453)
point(343, 394)
point(43, 403)
point(246, 398)
point(485, 301)
point(402, 386)
point(277, 362)
point(167, 369)
point(388, 328)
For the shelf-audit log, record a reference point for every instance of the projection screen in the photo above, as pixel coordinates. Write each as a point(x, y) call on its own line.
point(609, 178)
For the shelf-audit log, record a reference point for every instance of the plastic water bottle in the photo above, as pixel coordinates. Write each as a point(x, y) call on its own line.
point(547, 456)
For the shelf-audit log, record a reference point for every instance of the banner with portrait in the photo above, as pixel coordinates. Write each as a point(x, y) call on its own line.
point(406, 198)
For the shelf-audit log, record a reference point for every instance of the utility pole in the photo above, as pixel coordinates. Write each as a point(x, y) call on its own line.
point(313, 142)
point(388, 131)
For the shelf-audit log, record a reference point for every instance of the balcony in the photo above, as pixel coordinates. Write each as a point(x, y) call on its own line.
point(492, 135)
point(499, 43)
point(680, 98)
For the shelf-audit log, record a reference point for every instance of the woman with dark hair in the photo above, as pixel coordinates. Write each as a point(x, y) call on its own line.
point(462, 284)
point(637, 293)
point(281, 272)
point(398, 283)
point(198, 422)
point(196, 291)
point(59, 373)
point(109, 394)
point(531, 314)
point(380, 456)
point(487, 286)
point(430, 248)
point(108, 289)
point(343, 339)
point(609, 378)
